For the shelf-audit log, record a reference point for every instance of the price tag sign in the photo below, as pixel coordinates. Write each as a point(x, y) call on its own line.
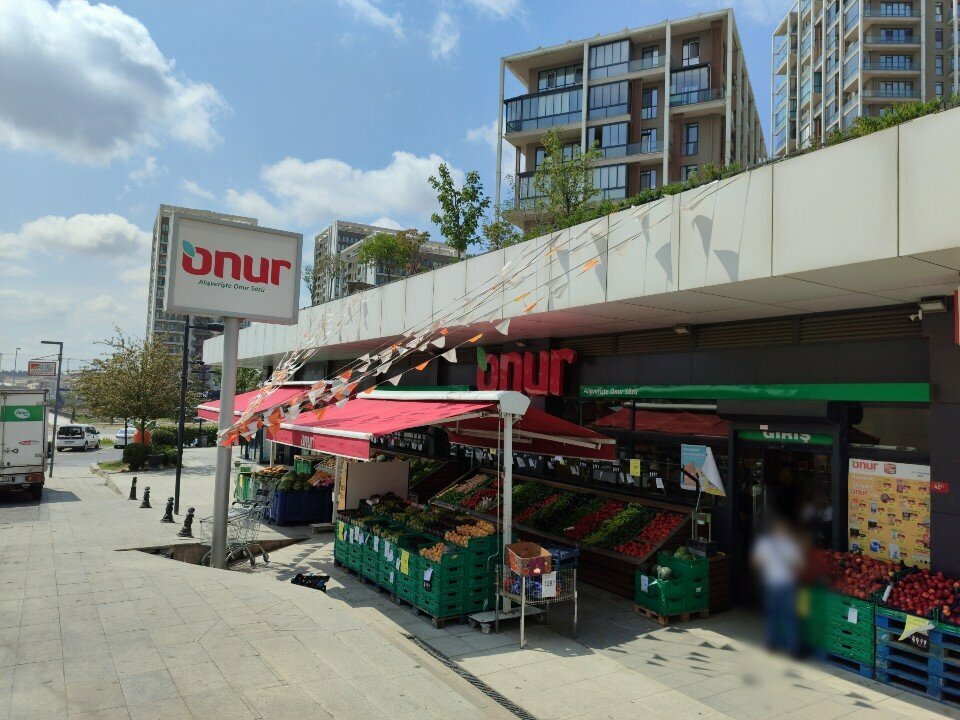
point(376, 543)
point(644, 583)
point(635, 467)
point(520, 462)
point(659, 483)
point(549, 585)
point(913, 625)
point(852, 615)
point(404, 562)
point(340, 532)
point(920, 641)
point(391, 577)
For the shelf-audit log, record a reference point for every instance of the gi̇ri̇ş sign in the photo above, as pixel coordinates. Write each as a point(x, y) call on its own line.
point(220, 268)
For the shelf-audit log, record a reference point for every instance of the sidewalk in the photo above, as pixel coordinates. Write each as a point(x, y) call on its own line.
point(92, 629)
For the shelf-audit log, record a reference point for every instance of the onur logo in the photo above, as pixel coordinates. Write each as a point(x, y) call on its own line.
point(21, 414)
point(223, 263)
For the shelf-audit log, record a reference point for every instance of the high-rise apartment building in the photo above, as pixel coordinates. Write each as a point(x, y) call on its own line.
point(169, 326)
point(338, 268)
point(659, 101)
point(837, 60)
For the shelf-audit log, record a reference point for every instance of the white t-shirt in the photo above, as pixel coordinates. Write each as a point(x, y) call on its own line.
point(778, 557)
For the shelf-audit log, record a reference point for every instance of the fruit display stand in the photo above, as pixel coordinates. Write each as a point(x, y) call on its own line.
point(607, 527)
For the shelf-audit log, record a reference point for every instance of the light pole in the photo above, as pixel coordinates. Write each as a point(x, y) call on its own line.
point(15, 354)
point(56, 399)
point(184, 374)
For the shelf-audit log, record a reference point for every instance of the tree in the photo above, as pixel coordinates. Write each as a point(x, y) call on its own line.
point(461, 208)
point(565, 177)
point(500, 234)
point(137, 379)
point(322, 275)
point(247, 378)
point(399, 253)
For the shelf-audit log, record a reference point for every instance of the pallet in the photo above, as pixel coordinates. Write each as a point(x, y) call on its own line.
point(437, 622)
point(844, 663)
point(669, 619)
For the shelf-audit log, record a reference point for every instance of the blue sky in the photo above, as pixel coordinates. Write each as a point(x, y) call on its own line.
point(298, 112)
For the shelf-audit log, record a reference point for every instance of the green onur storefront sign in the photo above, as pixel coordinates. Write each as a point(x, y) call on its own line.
point(21, 413)
point(789, 438)
point(836, 392)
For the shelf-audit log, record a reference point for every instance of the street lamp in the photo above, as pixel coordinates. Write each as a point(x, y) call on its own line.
point(15, 353)
point(184, 373)
point(56, 398)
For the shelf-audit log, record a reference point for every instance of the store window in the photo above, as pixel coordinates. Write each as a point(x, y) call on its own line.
point(902, 429)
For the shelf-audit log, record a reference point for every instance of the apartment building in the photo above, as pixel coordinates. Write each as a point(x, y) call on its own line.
point(659, 101)
point(169, 326)
point(336, 252)
point(838, 60)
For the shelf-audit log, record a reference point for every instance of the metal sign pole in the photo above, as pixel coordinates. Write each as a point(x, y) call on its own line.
point(507, 521)
point(221, 486)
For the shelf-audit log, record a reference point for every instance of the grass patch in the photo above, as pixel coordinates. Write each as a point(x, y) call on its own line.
point(106, 442)
point(113, 465)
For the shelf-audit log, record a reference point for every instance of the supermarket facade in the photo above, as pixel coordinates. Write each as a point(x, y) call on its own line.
point(813, 352)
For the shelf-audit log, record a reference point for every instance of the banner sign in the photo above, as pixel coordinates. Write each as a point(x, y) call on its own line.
point(888, 513)
point(791, 438)
point(698, 460)
point(42, 368)
point(533, 374)
point(226, 269)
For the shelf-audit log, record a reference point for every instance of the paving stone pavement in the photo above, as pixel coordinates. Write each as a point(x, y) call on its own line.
point(90, 628)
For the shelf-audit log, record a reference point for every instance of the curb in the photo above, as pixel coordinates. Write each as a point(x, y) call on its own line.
point(106, 476)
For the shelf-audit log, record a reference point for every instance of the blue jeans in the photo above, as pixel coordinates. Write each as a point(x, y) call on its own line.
point(780, 606)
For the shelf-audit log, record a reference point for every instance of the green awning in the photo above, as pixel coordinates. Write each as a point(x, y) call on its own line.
point(840, 392)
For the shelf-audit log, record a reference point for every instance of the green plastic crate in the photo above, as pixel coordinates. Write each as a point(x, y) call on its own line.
point(696, 569)
point(303, 467)
point(451, 565)
point(478, 599)
point(441, 606)
point(664, 597)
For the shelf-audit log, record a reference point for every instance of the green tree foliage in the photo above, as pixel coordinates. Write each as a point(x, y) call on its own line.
point(499, 234)
point(328, 269)
point(136, 379)
point(564, 179)
point(399, 253)
point(247, 379)
point(461, 208)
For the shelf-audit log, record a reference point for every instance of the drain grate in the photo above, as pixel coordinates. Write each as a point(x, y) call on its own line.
point(473, 680)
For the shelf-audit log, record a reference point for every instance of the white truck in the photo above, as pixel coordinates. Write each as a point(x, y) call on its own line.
point(23, 440)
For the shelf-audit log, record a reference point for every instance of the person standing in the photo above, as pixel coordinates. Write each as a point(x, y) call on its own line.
point(778, 558)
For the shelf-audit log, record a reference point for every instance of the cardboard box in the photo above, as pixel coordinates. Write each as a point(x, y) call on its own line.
point(527, 558)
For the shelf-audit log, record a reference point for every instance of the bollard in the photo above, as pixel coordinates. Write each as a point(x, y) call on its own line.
point(168, 513)
point(133, 488)
point(187, 529)
point(146, 498)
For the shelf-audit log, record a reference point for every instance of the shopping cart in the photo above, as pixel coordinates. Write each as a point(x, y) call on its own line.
point(243, 526)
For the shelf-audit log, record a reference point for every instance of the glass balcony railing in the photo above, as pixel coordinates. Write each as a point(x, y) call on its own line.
point(851, 102)
point(693, 97)
point(780, 57)
point(851, 19)
point(852, 48)
point(896, 39)
point(542, 110)
point(644, 148)
point(647, 63)
point(891, 66)
point(895, 93)
point(609, 71)
point(805, 45)
point(891, 10)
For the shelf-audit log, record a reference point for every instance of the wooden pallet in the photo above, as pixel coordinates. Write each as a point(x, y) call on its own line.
point(437, 622)
point(669, 619)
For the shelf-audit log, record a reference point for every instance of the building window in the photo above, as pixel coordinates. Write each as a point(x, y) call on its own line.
point(938, 38)
point(609, 59)
point(648, 179)
point(610, 182)
point(690, 86)
point(894, 62)
point(896, 35)
point(896, 89)
point(938, 89)
point(690, 52)
point(568, 150)
point(611, 139)
point(608, 100)
point(649, 103)
point(895, 9)
point(938, 12)
point(560, 77)
point(691, 139)
point(687, 171)
point(938, 65)
point(648, 140)
point(650, 55)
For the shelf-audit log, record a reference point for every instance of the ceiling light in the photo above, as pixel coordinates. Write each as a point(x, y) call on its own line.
point(682, 329)
point(932, 305)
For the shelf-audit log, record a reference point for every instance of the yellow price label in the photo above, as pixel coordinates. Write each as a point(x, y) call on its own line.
point(340, 533)
point(635, 467)
point(913, 624)
point(405, 562)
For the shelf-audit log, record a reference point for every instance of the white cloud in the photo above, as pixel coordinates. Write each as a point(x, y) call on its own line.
point(9, 270)
point(368, 12)
point(386, 222)
point(444, 36)
point(105, 235)
point(149, 171)
point(136, 275)
point(191, 187)
point(501, 9)
point(485, 134)
point(95, 63)
point(306, 193)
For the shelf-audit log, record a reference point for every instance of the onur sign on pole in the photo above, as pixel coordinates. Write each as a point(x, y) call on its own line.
point(220, 268)
point(42, 368)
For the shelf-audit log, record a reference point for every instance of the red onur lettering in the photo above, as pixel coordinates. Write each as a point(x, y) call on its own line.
point(223, 263)
point(531, 373)
point(206, 262)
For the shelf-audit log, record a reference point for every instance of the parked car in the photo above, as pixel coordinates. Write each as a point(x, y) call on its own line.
point(123, 437)
point(78, 437)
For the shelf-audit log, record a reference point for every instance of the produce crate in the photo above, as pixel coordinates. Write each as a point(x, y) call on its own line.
point(302, 466)
point(478, 598)
point(451, 566)
point(405, 588)
point(695, 570)
point(386, 578)
point(440, 604)
point(664, 597)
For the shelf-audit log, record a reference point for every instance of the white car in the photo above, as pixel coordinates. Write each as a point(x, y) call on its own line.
point(78, 437)
point(123, 437)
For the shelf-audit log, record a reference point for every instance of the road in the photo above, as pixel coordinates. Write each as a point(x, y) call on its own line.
point(77, 458)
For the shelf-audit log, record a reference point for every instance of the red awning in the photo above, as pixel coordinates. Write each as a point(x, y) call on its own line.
point(348, 430)
point(667, 422)
point(536, 432)
point(211, 410)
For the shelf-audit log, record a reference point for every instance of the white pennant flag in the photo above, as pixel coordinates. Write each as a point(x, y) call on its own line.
point(439, 342)
point(503, 327)
point(450, 355)
point(341, 403)
point(383, 368)
point(395, 379)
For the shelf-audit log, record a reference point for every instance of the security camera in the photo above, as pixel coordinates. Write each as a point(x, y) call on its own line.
point(918, 315)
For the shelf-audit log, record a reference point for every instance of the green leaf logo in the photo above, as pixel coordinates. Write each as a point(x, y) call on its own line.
point(188, 249)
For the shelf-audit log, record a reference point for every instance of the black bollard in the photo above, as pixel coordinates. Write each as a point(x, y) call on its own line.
point(146, 498)
point(187, 529)
point(168, 513)
point(133, 488)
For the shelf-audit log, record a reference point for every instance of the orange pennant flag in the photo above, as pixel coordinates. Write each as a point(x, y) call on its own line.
point(346, 374)
point(528, 308)
point(519, 298)
point(369, 389)
point(593, 262)
point(475, 338)
point(319, 413)
point(422, 365)
point(444, 331)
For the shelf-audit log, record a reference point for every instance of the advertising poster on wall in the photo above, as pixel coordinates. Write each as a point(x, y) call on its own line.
point(698, 460)
point(889, 510)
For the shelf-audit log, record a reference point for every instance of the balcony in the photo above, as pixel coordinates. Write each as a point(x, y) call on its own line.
point(526, 197)
point(542, 110)
point(647, 64)
point(610, 71)
point(695, 97)
point(892, 94)
point(889, 11)
point(886, 66)
point(888, 40)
